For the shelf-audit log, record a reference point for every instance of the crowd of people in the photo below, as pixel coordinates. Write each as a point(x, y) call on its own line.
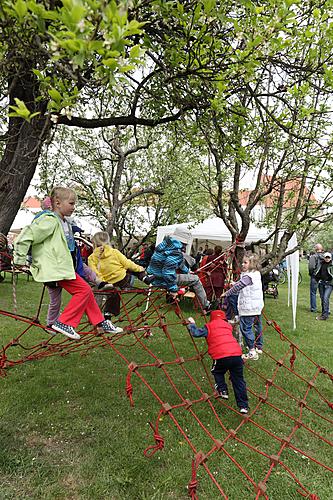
point(61, 261)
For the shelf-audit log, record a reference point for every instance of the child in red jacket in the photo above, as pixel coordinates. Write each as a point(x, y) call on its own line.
point(226, 353)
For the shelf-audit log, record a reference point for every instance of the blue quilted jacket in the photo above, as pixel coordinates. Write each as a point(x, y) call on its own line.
point(166, 260)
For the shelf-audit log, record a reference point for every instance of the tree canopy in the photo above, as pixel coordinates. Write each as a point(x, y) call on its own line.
point(154, 62)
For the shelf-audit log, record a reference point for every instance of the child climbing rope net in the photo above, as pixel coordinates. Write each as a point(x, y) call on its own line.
point(218, 437)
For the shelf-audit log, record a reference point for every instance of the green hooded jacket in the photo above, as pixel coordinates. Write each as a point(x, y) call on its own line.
point(51, 258)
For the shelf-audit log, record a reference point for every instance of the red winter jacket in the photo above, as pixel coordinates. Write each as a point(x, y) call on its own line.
point(221, 342)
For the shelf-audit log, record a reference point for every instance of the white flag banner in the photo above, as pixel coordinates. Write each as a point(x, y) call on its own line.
point(292, 273)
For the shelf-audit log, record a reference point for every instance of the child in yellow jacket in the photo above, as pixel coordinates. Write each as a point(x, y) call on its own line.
point(111, 266)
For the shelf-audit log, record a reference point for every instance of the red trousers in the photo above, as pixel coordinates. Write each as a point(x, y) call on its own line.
point(82, 301)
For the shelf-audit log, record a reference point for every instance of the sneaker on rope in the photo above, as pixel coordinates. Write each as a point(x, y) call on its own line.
point(252, 354)
point(109, 327)
point(66, 330)
point(148, 279)
point(104, 285)
point(258, 350)
point(223, 394)
point(244, 410)
point(209, 307)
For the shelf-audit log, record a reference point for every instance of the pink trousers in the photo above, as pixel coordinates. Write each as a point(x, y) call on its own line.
point(82, 301)
point(53, 311)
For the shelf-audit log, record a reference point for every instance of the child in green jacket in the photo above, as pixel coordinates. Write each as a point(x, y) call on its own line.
point(52, 262)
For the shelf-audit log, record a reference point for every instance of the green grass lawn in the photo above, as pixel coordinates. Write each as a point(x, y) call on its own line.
point(67, 430)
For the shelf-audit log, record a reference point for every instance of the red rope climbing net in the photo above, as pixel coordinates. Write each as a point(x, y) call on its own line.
point(296, 408)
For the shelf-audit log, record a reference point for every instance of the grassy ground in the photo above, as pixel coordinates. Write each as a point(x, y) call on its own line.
point(67, 430)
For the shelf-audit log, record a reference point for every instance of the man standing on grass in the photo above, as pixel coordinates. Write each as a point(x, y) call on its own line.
point(314, 260)
point(324, 276)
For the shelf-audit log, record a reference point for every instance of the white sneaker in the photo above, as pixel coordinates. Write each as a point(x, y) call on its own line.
point(66, 330)
point(104, 285)
point(243, 410)
point(258, 351)
point(234, 320)
point(252, 354)
point(109, 327)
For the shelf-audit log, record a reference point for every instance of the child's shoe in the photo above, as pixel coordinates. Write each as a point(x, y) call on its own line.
point(66, 330)
point(258, 350)
point(252, 354)
point(104, 285)
point(209, 307)
point(223, 394)
point(244, 410)
point(148, 279)
point(109, 327)
point(234, 320)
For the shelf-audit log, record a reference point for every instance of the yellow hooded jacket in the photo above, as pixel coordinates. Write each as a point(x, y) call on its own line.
point(111, 265)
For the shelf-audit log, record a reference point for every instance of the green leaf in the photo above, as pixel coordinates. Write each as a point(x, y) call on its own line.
point(20, 110)
point(110, 63)
point(21, 9)
point(127, 67)
point(135, 52)
point(55, 95)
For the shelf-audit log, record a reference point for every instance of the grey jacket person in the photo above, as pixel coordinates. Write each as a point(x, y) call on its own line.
point(315, 262)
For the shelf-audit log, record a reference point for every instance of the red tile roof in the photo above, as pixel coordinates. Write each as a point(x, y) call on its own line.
point(292, 189)
point(31, 202)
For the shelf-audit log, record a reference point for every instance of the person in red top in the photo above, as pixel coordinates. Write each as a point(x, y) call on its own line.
point(216, 274)
point(226, 353)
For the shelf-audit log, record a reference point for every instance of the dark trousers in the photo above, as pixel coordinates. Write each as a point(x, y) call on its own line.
point(112, 303)
point(233, 364)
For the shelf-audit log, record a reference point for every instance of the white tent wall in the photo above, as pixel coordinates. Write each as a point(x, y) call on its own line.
point(24, 217)
point(212, 230)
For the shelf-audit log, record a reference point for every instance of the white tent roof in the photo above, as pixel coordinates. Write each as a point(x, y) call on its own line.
point(212, 229)
point(24, 217)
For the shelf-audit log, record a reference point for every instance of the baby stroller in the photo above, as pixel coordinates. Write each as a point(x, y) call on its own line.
point(270, 283)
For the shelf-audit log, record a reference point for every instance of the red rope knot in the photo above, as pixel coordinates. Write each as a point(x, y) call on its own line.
point(330, 405)
point(239, 242)
point(152, 449)
point(159, 440)
point(313, 496)
point(192, 485)
point(192, 489)
point(129, 388)
point(293, 357)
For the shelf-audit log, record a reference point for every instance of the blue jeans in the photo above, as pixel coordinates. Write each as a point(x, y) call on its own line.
point(233, 364)
point(230, 306)
point(325, 290)
point(313, 293)
point(247, 325)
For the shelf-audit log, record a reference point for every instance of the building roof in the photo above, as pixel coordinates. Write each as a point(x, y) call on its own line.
point(31, 202)
point(292, 188)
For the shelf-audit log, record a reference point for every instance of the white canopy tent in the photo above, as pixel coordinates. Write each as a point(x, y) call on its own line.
point(24, 217)
point(212, 230)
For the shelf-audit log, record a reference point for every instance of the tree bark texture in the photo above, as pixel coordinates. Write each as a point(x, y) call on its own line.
point(18, 165)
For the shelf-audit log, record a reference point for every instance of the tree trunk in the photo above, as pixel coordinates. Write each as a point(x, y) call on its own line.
point(18, 165)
